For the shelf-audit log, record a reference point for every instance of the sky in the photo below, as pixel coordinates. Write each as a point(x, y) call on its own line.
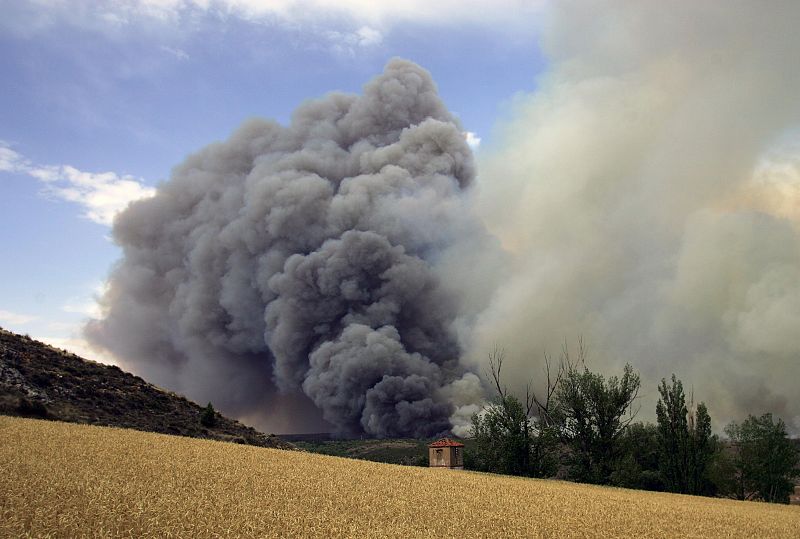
point(99, 103)
point(638, 164)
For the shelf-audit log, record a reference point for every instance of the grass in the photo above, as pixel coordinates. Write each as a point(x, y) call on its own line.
point(67, 480)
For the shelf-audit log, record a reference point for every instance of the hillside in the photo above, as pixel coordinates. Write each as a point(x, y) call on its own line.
point(406, 451)
point(74, 480)
point(37, 380)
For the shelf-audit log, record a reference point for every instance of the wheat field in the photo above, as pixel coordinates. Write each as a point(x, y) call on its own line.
point(65, 480)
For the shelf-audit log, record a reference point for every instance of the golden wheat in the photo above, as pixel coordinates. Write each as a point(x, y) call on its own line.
point(66, 480)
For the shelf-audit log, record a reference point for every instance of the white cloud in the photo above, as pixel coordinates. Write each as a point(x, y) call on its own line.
point(444, 12)
point(473, 140)
point(10, 161)
point(500, 15)
point(348, 43)
point(377, 13)
point(180, 54)
point(368, 36)
point(10, 317)
point(101, 195)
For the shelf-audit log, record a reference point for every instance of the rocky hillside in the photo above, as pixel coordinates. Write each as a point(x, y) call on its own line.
point(37, 380)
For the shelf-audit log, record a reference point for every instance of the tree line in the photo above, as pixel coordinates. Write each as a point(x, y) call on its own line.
point(582, 428)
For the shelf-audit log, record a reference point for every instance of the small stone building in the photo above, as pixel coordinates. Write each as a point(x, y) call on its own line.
point(446, 453)
point(794, 498)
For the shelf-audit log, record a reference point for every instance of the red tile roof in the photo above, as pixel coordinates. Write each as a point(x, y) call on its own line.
point(446, 442)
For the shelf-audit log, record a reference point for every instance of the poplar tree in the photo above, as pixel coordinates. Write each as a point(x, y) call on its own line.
point(686, 444)
point(673, 433)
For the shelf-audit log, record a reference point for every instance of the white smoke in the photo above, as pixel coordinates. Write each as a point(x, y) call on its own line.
point(644, 194)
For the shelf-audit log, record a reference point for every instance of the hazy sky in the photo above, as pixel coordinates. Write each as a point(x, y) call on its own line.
point(99, 103)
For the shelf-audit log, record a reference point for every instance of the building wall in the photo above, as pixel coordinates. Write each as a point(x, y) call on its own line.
point(439, 457)
point(446, 457)
point(794, 499)
point(457, 457)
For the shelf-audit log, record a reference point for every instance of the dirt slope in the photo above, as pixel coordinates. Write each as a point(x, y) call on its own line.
point(37, 380)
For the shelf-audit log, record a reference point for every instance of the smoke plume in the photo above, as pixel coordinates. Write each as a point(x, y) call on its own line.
point(649, 191)
point(295, 274)
point(338, 269)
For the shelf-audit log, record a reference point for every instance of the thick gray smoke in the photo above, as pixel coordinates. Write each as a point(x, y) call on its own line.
point(295, 273)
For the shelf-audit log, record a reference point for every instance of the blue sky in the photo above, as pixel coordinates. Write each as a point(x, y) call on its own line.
point(99, 103)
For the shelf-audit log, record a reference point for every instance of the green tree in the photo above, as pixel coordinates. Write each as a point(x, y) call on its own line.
point(703, 449)
point(638, 466)
point(673, 435)
point(208, 418)
point(509, 437)
point(502, 437)
point(763, 462)
point(590, 416)
point(686, 444)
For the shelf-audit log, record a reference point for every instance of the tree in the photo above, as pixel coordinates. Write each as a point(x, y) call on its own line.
point(638, 467)
point(673, 434)
point(686, 445)
point(510, 437)
point(31, 408)
point(502, 437)
point(590, 416)
point(209, 416)
point(764, 461)
point(703, 449)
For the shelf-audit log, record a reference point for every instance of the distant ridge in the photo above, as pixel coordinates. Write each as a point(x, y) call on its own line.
point(311, 437)
point(37, 380)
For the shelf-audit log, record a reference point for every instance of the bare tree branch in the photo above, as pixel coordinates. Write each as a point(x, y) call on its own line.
point(495, 368)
